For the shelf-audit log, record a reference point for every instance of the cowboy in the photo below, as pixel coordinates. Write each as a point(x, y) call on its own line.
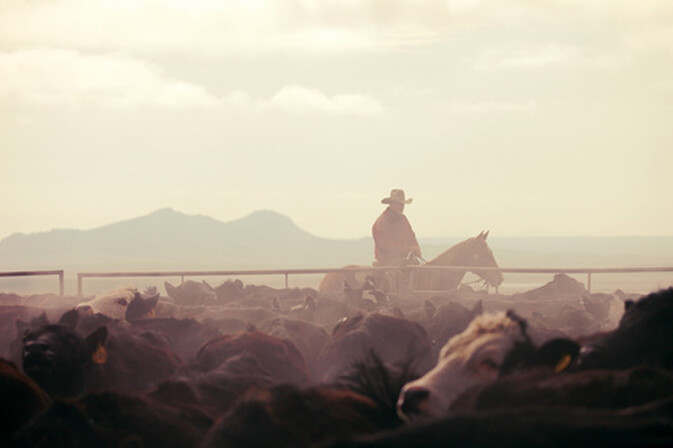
point(394, 240)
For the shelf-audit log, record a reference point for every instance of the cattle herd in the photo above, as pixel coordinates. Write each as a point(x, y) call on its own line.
point(252, 366)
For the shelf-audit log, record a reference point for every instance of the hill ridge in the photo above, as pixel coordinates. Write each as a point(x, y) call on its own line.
point(267, 239)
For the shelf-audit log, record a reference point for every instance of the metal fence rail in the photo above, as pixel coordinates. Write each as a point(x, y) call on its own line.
point(182, 274)
point(588, 271)
point(60, 273)
point(406, 270)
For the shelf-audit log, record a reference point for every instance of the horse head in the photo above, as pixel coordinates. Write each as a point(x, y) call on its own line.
point(482, 255)
point(473, 252)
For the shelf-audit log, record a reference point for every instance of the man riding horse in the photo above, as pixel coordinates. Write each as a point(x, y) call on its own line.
point(395, 246)
point(394, 240)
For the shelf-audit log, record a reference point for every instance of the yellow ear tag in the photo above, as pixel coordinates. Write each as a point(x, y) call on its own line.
point(152, 314)
point(563, 364)
point(100, 355)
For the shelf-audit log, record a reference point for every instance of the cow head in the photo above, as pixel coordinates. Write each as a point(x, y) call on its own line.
point(191, 293)
point(122, 303)
point(644, 336)
point(142, 306)
point(112, 304)
point(470, 358)
point(55, 356)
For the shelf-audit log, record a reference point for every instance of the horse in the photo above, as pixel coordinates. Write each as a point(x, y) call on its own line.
point(472, 252)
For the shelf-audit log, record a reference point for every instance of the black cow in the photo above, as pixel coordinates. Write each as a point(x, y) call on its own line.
point(22, 400)
point(644, 336)
point(309, 338)
point(292, 417)
point(279, 359)
point(607, 389)
point(534, 427)
point(113, 420)
point(58, 358)
point(191, 293)
point(215, 392)
point(449, 319)
point(65, 363)
point(184, 336)
point(394, 340)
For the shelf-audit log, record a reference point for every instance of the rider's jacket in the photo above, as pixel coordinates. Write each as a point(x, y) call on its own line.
point(393, 238)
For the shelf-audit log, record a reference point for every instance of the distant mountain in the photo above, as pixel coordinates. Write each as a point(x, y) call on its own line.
point(170, 239)
point(262, 226)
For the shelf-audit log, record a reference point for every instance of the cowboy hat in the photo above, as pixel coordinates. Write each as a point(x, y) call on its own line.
point(396, 195)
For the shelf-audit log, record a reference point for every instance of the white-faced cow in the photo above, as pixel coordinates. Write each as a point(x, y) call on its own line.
point(492, 346)
point(121, 303)
point(470, 358)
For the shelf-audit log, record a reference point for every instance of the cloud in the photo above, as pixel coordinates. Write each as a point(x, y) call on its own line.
point(210, 27)
point(298, 99)
point(490, 107)
point(530, 56)
point(55, 77)
point(537, 56)
point(68, 78)
point(214, 28)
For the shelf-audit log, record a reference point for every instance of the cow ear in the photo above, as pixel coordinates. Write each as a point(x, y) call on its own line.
point(93, 346)
point(153, 300)
point(485, 235)
point(170, 289)
point(69, 318)
point(22, 328)
point(519, 320)
point(309, 303)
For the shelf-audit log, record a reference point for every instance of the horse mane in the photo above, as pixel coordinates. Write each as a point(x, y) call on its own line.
point(452, 255)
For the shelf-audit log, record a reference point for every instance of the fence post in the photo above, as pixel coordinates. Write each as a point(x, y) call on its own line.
point(589, 281)
point(61, 283)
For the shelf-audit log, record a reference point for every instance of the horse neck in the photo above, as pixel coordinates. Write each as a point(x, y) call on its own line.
point(456, 255)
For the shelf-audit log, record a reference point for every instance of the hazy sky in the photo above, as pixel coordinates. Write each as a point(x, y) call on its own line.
point(519, 116)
